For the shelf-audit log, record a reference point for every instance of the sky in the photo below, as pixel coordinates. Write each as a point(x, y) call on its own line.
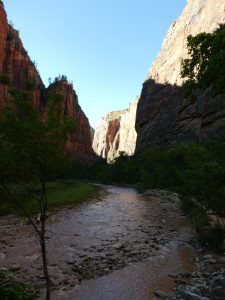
point(105, 47)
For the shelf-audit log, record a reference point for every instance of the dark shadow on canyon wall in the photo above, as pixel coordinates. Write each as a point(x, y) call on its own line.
point(165, 117)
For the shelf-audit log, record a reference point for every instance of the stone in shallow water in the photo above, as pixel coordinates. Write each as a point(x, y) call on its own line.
point(118, 246)
point(161, 294)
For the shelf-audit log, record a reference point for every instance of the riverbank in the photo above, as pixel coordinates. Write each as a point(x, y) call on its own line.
point(121, 245)
point(207, 281)
point(60, 194)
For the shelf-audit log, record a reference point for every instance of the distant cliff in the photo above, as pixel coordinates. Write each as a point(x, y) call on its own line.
point(17, 67)
point(116, 133)
point(163, 115)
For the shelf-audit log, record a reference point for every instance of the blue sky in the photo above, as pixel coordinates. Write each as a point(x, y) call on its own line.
point(105, 47)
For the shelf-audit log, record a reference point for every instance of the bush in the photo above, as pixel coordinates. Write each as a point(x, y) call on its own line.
point(4, 79)
point(10, 36)
point(11, 289)
point(211, 237)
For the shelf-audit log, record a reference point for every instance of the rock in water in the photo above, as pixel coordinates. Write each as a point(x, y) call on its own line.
point(192, 296)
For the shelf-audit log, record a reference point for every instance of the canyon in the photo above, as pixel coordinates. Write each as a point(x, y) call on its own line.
point(163, 116)
point(116, 133)
point(17, 70)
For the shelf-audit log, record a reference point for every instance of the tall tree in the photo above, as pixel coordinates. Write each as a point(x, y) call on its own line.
point(32, 152)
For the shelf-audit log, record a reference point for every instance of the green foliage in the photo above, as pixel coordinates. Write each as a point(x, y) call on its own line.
point(30, 84)
point(196, 212)
point(211, 237)
point(196, 171)
point(69, 193)
point(4, 79)
point(207, 56)
point(32, 148)
point(61, 78)
point(32, 152)
point(11, 289)
point(63, 193)
point(10, 36)
point(32, 144)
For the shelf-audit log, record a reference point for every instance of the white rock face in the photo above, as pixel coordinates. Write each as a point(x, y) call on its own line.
point(198, 16)
point(116, 133)
point(99, 141)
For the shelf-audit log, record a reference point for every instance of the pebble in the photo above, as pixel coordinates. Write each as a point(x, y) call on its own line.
point(221, 260)
point(211, 261)
point(14, 268)
point(161, 294)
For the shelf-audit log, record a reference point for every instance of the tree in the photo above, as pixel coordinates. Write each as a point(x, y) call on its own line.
point(32, 152)
point(207, 56)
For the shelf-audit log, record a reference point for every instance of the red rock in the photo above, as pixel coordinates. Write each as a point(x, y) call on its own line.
point(16, 64)
point(79, 142)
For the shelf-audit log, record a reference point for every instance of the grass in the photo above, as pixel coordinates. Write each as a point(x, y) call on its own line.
point(11, 289)
point(70, 193)
point(64, 193)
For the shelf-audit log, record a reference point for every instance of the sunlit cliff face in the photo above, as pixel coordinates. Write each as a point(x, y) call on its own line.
point(198, 16)
point(116, 133)
point(17, 66)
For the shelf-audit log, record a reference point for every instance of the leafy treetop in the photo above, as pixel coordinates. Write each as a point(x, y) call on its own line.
point(205, 67)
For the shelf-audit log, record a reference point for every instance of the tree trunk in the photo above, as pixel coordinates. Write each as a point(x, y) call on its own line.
point(45, 267)
point(44, 203)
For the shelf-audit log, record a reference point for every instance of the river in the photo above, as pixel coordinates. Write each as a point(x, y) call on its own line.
point(121, 246)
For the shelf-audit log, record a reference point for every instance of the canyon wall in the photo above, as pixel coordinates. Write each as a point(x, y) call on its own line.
point(116, 133)
point(17, 70)
point(163, 116)
point(80, 141)
point(15, 64)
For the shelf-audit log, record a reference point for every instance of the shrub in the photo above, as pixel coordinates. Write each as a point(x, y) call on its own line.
point(11, 289)
point(211, 237)
point(4, 79)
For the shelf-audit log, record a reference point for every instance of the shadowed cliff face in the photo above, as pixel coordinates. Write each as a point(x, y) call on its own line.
point(165, 117)
point(18, 67)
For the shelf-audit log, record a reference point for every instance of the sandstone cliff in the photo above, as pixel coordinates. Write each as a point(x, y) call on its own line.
point(163, 116)
point(15, 63)
point(116, 133)
point(79, 142)
point(16, 66)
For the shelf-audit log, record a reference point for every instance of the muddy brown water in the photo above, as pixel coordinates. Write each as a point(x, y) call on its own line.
point(121, 246)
